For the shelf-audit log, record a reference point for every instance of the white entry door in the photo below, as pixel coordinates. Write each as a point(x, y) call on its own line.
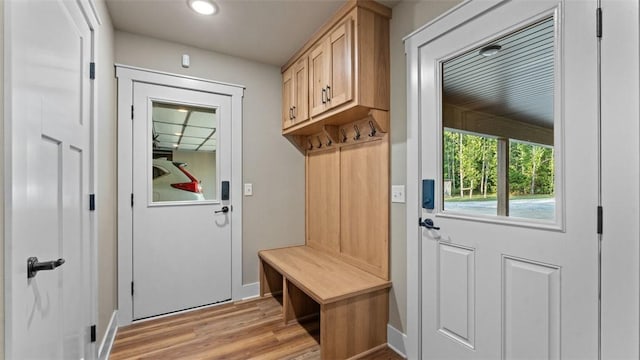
point(508, 117)
point(48, 127)
point(181, 210)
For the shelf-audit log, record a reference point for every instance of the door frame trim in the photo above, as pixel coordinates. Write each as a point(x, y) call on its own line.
point(413, 42)
point(126, 76)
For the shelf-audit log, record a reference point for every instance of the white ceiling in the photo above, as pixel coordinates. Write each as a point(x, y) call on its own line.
point(267, 31)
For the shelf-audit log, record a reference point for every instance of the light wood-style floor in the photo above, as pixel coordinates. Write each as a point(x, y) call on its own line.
point(251, 329)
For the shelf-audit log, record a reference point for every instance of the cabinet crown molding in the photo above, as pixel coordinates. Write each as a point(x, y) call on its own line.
point(335, 19)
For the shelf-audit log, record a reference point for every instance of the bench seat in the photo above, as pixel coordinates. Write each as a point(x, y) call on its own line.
point(352, 303)
point(323, 277)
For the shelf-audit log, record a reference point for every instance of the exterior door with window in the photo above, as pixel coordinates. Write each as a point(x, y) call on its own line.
point(181, 209)
point(509, 249)
point(48, 144)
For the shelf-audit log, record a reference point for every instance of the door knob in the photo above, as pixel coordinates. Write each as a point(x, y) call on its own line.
point(33, 266)
point(427, 223)
point(225, 209)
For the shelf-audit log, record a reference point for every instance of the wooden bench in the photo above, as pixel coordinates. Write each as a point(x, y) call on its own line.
point(353, 304)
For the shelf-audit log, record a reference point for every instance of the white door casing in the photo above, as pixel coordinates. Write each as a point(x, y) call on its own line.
point(49, 155)
point(620, 178)
point(181, 250)
point(485, 286)
point(127, 76)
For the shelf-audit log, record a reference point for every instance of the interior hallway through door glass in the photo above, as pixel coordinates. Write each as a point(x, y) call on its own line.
point(184, 153)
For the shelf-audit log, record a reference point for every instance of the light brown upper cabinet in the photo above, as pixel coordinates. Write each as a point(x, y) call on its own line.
point(295, 93)
point(348, 69)
point(331, 69)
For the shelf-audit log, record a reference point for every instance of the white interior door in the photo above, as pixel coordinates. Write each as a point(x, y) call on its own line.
point(48, 138)
point(181, 231)
point(508, 110)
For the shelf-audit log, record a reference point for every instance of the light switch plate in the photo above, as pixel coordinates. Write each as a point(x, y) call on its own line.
point(248, 189)
point(397, 194)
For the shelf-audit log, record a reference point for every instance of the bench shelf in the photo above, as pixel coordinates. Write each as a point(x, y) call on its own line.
point(352, 304)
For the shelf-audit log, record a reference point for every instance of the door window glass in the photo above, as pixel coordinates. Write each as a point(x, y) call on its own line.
point(498, 127)
point(184, 148)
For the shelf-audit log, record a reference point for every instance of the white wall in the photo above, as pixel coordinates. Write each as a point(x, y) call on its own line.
point(107, 170)
point(407, 17)
point(274, 215)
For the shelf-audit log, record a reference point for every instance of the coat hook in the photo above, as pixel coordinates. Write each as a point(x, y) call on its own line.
point(310, 144)
point(319, 142)
point(344, 135)
point(373, 129)
point(357, 129)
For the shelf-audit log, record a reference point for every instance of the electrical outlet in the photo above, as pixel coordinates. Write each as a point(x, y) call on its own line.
point(248, 189)
point(397, 194)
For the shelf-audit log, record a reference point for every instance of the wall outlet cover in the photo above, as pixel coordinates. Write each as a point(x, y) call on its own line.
point(248, 189)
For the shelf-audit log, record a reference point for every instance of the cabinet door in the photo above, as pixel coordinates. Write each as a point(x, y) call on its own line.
point(318, 77)
point(287, 98)
point(340, 87)
point(301, 90)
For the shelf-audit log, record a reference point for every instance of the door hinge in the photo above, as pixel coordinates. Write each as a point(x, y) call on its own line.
point(131, 199)
point(92, 202)
point(131, 112)
point(93, 333)
point(599, 226)
point(599, 22)
point(132, 288)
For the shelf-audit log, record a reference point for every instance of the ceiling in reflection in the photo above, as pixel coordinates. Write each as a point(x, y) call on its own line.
point(516, 83)
point(185, 128)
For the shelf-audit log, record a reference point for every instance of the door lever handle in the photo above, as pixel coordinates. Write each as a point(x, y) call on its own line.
point(427, 223)
point(33, 266)
point(225, 209)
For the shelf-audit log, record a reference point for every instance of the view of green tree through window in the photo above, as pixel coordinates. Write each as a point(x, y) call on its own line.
point(471, 178)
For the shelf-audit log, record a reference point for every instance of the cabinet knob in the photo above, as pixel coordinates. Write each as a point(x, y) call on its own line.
point(328, 93)
point(324, 95)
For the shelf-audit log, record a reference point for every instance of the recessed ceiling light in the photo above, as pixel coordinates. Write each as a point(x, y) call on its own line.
point(204, 7)
point(175, 145)
point(183, 110)
point(490, 50)
point(178, 133)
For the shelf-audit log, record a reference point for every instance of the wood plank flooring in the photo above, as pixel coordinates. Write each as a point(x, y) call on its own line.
point(251, 329)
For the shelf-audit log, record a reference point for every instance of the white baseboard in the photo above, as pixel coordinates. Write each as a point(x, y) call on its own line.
point(109, 337)
point(249, 291)
point(396, 341)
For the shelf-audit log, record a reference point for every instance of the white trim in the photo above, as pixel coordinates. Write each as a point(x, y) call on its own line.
point(7, 173)
point(620, 180)
point(413, 345)
point(88, 7)
point(90, 12)
point(396, 341)
point(178, 76)
point(250, 291)
point(109, 337)
point(126, 75)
